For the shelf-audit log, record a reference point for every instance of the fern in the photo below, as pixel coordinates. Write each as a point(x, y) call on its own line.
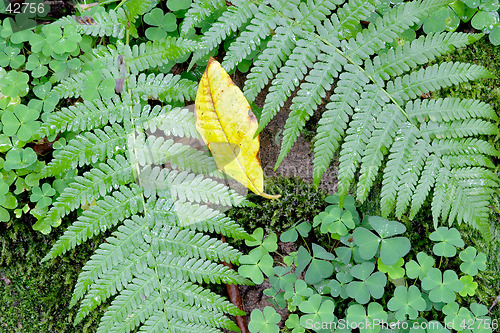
point(374, 118)
point(142, 176)
point(111, 23)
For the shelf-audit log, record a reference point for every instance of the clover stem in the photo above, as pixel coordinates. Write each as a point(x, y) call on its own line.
point(440, 261)
point(305, 243)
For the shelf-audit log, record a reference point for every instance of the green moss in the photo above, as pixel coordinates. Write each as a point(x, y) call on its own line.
point(38, 295)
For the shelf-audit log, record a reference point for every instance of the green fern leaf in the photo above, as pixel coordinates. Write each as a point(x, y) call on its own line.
point(166, 88)
point(111, 23)
point(199, 11)
point(136, 8)
point(448, 109)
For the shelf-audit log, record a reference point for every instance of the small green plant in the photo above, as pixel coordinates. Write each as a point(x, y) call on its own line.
point(362, 276)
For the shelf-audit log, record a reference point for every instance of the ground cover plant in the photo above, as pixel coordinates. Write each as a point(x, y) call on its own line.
point(96, 137)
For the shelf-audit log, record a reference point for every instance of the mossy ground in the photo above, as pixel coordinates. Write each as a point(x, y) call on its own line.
point(37, 298)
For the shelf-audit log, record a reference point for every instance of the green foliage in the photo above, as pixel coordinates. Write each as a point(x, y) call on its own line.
point(327, 285)
point(374, 115)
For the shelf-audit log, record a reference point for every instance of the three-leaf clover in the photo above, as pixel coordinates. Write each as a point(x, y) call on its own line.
point(395, 271)
point(420, 269)
point(256, 262)
point(269, 243)
point(21, 121)
point(95, 85)
point(293, 322)
point(162, 23)
point(36, 64)
point(472, 262)
point(457, 317)
point(19, 158)
point(442, 287)
point(391, 248)
point(449, 240)
point(14, 84)
point(370, 284)
point(297, 292)
point(319, 309)
point(335, 220)
point(318, 269)
point(375, 313)
point(469, 286)
point(10, 56)
point(292, 234)
point(406, 302)
point(264, 322)
point(42, 195)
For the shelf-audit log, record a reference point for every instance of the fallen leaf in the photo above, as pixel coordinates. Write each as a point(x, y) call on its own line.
point(227, 125)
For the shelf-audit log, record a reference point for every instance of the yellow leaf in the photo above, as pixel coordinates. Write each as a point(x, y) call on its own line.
point(227, 124)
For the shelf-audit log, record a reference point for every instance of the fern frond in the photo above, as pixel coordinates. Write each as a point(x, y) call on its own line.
point(426, 182)
point(87, 148)
point(86, 116)
point(142, 56)
point(178, 122)
point(302, 58)
point(100, 217)
point(167, 88)
point(396, 166)
point(458, 129)
point(186, 186)
point(197, 270)
point(467, 146)
point(268, 62)
point(199, 11)
point(107, 23)
point(334, 121)
point(433, 78)
point(94, 184)
point(229, 22)
point(387, 125)
point(117, 248)
point(448, 109)
point(386, 28)
point(250, 39)
point(358, 135)
point(346, 19)
point(398, 60)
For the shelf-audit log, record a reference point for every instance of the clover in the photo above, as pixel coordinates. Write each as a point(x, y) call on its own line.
point(14, 84)
point(162, 23)
point(269, 243)
point(4, 189)
point(420, 269)
point(96, 86)
point(449, 240)
point(469, 286)
point(264, 322)
point(481, 323)
point(357, 313)
point(319, 309)
point(293, 322)
point(21, 121)
point(335, 220)
point(297, 292)
point(69, 40)
point(36, 64)
point(457, 317)
point(395, 271)
point(255, 263)
point(42, 196)
point(370, 284)
point(19, 158)
point(406, 302)
point(442, 287)
point(318, 269)
point(472, 261)
point(176, 5)
point(10, 57)
point(391, 248)
point(292, 234)
point(48, 99)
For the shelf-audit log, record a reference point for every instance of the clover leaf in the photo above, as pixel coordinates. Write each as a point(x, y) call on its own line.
point(36, 64)
point(406, 302)
point(175, 5)
point(472, 263)
point(19, 158)
point(356, 313)
point(269, 243)
point(482, 323)
point(318, 309)
point(162, 23)
point(292, 234)
point(20, 122)
point(297, 292)
point(4, 189)
point(42, 195)
point(391, 249)
point(469, 286)
point(448, 240)
point(10, 57)
point(256, 262)
point(335, 220)
point(442, 287)
point(69, 40)
point(370, 284)
point(394, 271)
point(266, 322)
point(14, 84)
point(420, 269)
point(456, 317)
point(293, 322)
